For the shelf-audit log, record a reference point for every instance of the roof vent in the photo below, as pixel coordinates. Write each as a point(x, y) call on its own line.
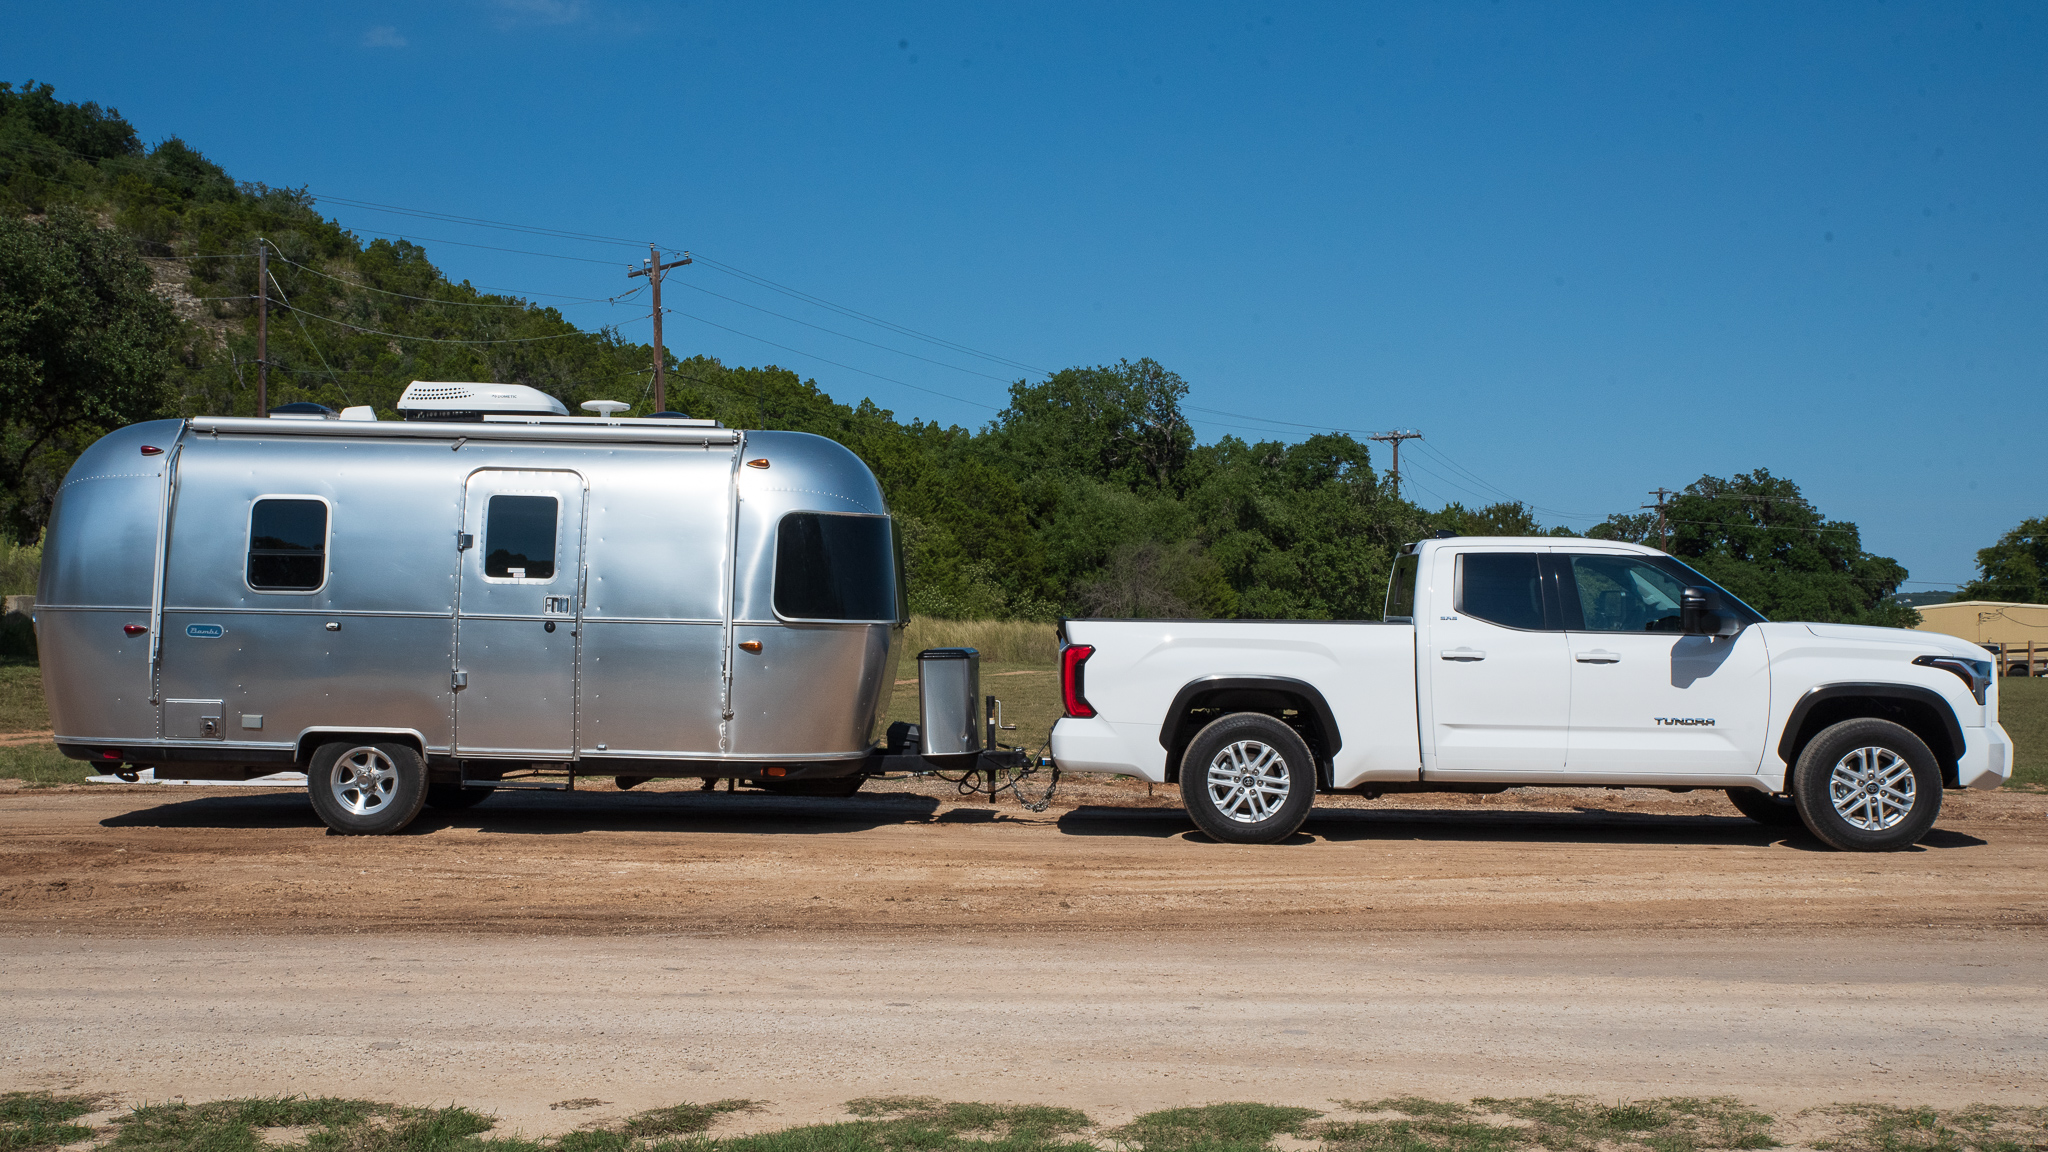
point(303, 410)
point(449, 401)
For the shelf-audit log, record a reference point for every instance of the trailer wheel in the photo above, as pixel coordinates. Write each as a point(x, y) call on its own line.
point(1867, 785)
point(366, 789)
point(1764, 808)
point(453, 796)
point(1247, 778)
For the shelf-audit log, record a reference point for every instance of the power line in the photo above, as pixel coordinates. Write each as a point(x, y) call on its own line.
point(834, 363)
point(438, 339)
point(841, 335)
point(436, 300)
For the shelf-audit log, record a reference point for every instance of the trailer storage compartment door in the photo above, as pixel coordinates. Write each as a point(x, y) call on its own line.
point(517, 623)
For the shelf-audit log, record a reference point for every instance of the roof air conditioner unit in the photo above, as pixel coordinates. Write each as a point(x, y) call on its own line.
point(454, 401)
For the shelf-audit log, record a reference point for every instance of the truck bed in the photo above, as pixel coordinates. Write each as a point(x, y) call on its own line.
point(1363, 670)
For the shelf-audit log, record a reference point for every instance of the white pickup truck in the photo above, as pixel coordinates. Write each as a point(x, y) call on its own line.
point(1505, 662)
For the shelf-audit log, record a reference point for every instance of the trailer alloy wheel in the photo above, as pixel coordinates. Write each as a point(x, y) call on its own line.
point(1867, 785)
point(366, 789)
point(1248, 778)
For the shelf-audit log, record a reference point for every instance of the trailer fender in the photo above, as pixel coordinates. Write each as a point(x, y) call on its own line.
point(312, 738)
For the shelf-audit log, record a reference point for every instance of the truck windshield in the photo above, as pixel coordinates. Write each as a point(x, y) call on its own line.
point(835, 566)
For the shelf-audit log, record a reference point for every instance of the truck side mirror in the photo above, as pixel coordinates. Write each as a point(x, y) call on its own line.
point(1697, 615)
point(1693, 611)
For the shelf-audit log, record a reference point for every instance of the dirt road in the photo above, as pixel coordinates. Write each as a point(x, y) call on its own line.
point(139, 861)
point(648, 948)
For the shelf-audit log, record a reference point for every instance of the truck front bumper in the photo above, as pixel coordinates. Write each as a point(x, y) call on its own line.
point(1986, 761)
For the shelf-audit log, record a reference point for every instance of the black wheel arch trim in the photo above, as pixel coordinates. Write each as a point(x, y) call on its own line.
point(1821, 693)
point(1326, 720)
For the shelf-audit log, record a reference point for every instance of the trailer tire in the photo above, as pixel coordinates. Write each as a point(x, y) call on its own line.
point(1248, 778)
point(1867, 785)
point(366, 789)
point(1765, 808)
point(450, 797)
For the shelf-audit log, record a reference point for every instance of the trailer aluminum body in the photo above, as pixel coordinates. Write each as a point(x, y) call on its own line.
point(221, 598)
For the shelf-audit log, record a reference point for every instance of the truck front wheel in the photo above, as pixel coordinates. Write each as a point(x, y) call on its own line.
point(1247, 778)
point(366, 789)
point(1867, 785)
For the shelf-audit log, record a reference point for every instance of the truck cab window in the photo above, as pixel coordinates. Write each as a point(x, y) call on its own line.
point(834, 566)
point(1626, 594)
point(1502, 588)
point(519, 537)
point(1401, 590)
point(288, 545)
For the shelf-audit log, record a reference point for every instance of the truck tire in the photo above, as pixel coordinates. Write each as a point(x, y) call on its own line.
point(450, 797)
point(1765, 808)
point(1247, 778)
point(1867, 785)
point(366, 789)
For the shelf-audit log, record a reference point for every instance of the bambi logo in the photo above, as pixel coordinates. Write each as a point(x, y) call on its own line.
point(1685, 721)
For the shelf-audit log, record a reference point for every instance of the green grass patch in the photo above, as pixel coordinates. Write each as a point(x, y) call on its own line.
point(32, 1120)
point(1558, 1123)
point(22, 708)
point(1214, 1128)
point(2023, 711)
point(922, 1124)
point(1978, 1128)
point(42, 765)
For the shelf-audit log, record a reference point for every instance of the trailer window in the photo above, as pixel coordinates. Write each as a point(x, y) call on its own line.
point(519, 537)
point(288, 545)
point(834, 567)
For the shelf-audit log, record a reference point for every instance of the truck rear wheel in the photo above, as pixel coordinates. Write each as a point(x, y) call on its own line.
point(1867, 785)
point(1247, 778)
point(366, 789)
point(1765, 808)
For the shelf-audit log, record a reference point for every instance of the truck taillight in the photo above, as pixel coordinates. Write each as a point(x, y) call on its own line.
point(1072, 657)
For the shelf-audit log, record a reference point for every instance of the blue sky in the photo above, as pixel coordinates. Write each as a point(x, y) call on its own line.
point(1586, 249)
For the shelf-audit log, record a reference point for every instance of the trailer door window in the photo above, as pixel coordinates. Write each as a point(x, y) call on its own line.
point(519, 537)
point(834, 567)
point(288, 545)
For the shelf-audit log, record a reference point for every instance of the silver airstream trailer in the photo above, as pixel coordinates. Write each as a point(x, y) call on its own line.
point(488, 593)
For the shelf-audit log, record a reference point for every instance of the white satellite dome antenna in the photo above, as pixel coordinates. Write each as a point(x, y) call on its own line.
point(605, 407)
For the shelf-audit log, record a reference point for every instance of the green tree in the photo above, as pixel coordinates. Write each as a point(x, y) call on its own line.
point(1120, 424)
point(1757, 536)
point(2012, 568)
point(85, 347)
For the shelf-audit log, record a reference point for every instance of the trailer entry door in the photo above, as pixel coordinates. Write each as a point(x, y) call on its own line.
point(520, 608)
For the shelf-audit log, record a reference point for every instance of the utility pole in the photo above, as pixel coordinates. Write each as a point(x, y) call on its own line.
point(1395, 439)
point(653, 272)
point(1663, 529)
point(262, 328)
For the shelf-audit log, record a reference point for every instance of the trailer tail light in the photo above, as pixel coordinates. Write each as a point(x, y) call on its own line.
point(1072, 657)
point(151, 450)
point(134, 629)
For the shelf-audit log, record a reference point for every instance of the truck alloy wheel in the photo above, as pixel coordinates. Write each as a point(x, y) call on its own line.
point(1248, 778)
point(366, 789)
point(1867, 785)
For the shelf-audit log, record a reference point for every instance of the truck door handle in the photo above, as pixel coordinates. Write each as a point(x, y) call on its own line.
point(1462, 654)
point(1597, 656)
